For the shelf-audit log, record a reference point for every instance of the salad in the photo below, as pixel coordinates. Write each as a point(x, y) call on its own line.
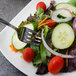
point(57, 50)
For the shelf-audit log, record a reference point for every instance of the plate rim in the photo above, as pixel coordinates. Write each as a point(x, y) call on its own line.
point(6, 28)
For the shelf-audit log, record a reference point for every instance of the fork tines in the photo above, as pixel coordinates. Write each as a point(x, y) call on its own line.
point(31, 37)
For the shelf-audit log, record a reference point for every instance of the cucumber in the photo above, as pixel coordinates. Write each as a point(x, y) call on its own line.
point(67, 6)
point(62, 36)
point(34, 24)
point(16, 42)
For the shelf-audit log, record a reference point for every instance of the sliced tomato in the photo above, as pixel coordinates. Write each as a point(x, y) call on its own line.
point(41, 5)
point(50, 23)
point(28, 54)
point(55, 65)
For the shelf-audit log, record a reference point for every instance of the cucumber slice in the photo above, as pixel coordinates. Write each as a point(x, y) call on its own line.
point(30, 26)
point(67, 6)
point(63, 36)
point(16, 42)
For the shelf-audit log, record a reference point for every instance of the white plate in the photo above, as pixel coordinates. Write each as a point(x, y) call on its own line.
point(5, 41)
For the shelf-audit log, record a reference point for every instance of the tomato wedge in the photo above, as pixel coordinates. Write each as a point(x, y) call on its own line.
point(41, 5)
point(28, 54)
point(55, 65)
point(50, 23)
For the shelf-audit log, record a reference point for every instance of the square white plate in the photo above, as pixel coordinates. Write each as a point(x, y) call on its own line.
point(5, 41)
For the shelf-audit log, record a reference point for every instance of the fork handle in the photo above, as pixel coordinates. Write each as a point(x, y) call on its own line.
point(7, 23)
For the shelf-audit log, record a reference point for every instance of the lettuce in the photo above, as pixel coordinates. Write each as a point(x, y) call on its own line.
point(43, 50)
point(44, 53)
point(40, 13)
point(35, 48)
point(41, 16)
point(37, 58)
point(46, 28)
point(40, 10)
point(74, 14)
point(72, 2)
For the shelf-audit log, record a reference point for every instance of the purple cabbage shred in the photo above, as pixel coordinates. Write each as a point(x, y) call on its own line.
point(51, 7)
point(42, 69)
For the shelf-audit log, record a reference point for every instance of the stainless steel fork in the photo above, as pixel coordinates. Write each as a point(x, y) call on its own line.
point(25, 34)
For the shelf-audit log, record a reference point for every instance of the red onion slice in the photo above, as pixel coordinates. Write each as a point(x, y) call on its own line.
point(67, 13)
point(51, 51)
point(74, 25)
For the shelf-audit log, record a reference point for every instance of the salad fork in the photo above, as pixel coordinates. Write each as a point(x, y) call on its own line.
point(26, 35)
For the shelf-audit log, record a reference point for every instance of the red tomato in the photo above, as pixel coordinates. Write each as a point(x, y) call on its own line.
point(41, 5)
point(28, 54)
point(55, 64)
point(50, 23)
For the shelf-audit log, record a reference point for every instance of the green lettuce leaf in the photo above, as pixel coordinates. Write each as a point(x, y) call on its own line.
point(44, 53)
point(41, 16)
point(35, 25)
point(40, 10)
point(37, 58)
point(72, 2)
point(74, 14)
point(43, 50)
point(46, 28)
point(35, 48)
